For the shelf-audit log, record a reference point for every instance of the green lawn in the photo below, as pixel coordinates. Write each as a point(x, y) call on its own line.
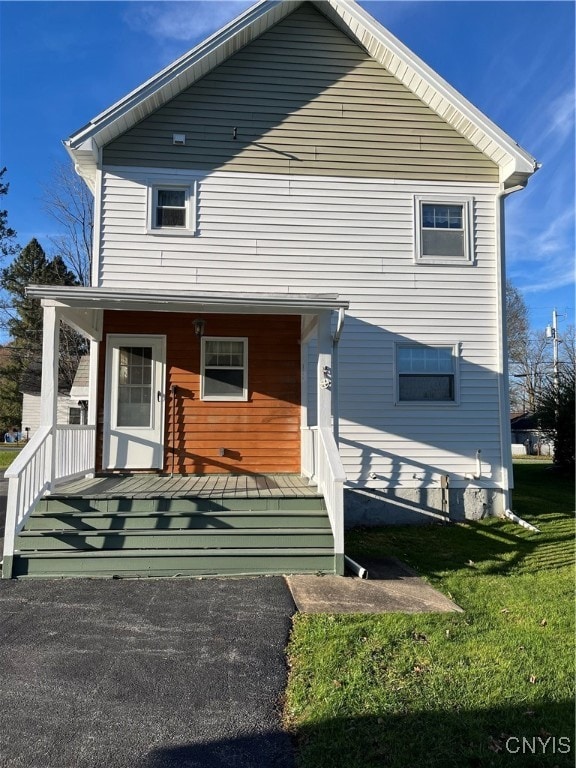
point(7, 456)
point(451, 690)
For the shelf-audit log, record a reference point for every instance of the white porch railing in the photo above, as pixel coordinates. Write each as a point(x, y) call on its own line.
point(52, 454)
point(321, 462)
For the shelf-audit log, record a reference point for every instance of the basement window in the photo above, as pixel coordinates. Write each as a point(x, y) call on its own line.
point(426, 374)
point(224, 365)
point(443, 231)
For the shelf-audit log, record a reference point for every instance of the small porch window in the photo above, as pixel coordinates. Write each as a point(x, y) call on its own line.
point(224, 369)
point(426, 374)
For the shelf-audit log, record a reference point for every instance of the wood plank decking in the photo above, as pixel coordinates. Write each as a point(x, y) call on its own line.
point(146, 486)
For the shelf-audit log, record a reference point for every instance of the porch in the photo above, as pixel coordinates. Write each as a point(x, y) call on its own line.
point(154, 525)
point(221, 492)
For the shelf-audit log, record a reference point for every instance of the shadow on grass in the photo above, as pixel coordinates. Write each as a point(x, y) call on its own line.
point(499, 736)
point(495, 546)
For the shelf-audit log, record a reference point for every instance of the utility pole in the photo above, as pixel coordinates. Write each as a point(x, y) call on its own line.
point(552, 333)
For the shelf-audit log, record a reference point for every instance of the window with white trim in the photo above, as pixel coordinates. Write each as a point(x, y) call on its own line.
point(224, 366)
point(443, 231)
point(426, 373)
point(172, 209)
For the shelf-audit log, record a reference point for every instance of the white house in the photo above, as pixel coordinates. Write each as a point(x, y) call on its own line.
point(298, 272)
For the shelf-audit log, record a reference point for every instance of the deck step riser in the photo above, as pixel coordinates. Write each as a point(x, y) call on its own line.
point(108, 565)
point(175, 521)
point(55, 504)
point(150, 540)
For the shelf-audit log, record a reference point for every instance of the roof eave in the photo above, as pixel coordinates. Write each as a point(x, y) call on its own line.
point(382, 45)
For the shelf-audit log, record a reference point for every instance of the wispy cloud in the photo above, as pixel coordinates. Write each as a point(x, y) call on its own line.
point(183, 21)
point(542, 259)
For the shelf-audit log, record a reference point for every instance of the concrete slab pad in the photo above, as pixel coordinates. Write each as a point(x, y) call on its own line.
point(392, 587)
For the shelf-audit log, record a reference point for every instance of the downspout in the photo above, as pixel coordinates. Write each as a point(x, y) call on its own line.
point(335, 401)
point(503, 395)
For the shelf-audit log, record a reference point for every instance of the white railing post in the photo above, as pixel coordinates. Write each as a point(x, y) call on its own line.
point(330, 472)
point(49, 393)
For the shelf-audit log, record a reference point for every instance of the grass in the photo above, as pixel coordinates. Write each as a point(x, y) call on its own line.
point(7, 456)
point(448, 691)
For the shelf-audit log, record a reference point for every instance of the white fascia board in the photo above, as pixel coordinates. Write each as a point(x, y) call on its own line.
point(173, 301)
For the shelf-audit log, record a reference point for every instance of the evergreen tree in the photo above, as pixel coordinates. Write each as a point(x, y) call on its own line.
point(23, 356)
point(8, 245)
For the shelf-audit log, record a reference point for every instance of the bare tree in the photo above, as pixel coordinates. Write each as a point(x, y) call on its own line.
point(517, 323)
point(69, 201)
point(529, 372)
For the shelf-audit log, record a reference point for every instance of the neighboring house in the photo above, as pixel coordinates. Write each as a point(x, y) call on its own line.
point(298, 270)
point(71, 404)
point(527, 437)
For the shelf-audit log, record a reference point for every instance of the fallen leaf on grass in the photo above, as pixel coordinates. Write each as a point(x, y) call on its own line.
point(495, 745)
point(505, 610)
point(543, 623)
point(533, 679)
point(419, 637)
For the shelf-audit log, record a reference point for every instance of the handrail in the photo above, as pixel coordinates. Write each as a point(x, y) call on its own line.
point(330, 476)
point(27, 453)
point(53, 453)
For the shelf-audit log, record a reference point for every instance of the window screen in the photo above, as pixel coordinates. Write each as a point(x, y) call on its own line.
point(443, 231)
point(425, 374)
point(170, 208)
point(224, 370)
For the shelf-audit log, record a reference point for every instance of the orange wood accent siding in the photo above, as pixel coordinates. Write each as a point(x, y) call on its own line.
point(260, 435)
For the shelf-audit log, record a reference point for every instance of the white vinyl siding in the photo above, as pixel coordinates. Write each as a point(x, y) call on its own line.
point(31, 411)
point(354, 237)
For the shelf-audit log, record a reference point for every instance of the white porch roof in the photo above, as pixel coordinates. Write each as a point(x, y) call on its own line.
point(80, 297)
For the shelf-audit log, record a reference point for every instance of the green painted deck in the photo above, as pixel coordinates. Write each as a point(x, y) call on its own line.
point(157, 525)
point(143, 486)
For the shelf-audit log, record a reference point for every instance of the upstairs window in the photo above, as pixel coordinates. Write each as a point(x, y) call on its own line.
point(172, 209)
point(443, 231)
point(426, 373)
point(224, 369)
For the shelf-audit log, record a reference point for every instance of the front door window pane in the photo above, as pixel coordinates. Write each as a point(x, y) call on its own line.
point(134, 387)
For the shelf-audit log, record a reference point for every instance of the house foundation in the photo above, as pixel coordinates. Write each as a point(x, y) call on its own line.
point(419, 506)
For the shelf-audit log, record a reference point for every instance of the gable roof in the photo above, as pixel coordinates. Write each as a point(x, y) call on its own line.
point(515, 164)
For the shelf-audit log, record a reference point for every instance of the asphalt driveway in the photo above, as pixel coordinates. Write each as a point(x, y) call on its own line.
point(166, 673)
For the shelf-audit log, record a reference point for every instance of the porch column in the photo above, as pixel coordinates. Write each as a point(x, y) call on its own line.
point(324, 371)
point(49, 393)
point(50, 357)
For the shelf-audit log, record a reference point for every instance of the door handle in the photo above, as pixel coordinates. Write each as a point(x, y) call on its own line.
point(159, 396)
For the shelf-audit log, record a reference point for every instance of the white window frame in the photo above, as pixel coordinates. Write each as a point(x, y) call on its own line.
point(467, 204)
point(190, 190)
point(243, 397)
point(456, 353)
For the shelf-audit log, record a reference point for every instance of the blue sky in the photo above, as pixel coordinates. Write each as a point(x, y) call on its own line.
point(64, 62)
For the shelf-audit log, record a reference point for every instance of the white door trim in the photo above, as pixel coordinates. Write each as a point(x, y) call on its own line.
point(134, 447)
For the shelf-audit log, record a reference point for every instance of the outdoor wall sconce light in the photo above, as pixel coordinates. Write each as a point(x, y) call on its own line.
point(199, 327)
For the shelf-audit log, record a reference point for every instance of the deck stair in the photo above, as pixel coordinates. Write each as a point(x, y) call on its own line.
point(184, 533)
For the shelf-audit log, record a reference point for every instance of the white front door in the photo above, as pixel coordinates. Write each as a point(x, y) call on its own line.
point(134, 402)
